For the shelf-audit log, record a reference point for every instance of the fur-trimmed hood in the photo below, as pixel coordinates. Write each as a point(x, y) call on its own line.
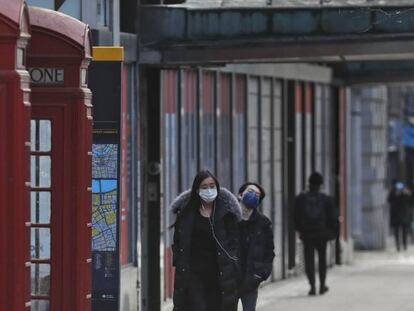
point(225, 198)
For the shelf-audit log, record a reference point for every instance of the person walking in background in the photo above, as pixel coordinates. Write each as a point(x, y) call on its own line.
point(316, 220)
point(206, 247)
point(256, 244)
point(400, 201)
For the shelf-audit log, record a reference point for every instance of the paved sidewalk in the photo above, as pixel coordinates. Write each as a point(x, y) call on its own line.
point(377, 281)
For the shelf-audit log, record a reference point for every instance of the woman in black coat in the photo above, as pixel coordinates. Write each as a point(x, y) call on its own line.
point(206, 247)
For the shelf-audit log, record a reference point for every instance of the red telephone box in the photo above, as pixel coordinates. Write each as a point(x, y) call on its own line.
point(61, 136)
point(14, 156)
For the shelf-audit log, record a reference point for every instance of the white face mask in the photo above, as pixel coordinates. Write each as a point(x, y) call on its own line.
point(208, 195)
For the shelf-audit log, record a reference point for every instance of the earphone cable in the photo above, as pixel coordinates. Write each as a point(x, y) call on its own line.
point(214, 234)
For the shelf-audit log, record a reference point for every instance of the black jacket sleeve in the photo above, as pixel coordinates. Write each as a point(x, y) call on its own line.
point(269, 253)
point(176, 242)
point(262, 267)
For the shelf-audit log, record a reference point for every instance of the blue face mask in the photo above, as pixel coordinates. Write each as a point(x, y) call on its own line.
point(399, 186)
point(250, 200)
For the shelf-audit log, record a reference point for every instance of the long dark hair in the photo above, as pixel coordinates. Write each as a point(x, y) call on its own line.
point(198, 179)
point(195, 200)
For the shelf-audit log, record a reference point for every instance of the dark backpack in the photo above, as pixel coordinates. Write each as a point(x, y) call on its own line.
point(314, 212)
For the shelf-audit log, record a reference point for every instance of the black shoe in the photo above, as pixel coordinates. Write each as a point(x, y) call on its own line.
point(323, 290)
point(312, 291)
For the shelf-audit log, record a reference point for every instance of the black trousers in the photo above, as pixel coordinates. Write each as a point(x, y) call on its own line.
point(310, 246)
point(249, 300)
point(403, 230)
point(204, 292)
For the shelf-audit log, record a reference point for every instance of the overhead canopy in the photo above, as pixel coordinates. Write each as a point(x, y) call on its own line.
point(292, 3)
point(185, 35)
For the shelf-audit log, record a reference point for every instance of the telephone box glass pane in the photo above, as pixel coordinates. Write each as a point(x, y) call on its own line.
point(40, 279)
point(40, 243)
point(40, 305)
point(33, 135)
point(45, 171)
point(33, 170)
point(40, 171)
point(40, 207)
point(45, 135)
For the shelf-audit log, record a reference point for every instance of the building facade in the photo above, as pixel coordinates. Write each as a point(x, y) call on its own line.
point(156, 125)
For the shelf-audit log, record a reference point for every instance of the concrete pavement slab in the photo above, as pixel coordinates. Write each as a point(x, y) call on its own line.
point(380, 281)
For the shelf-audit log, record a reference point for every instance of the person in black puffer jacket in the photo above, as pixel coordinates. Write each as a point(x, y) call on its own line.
point(206, 247)
point(256, 244)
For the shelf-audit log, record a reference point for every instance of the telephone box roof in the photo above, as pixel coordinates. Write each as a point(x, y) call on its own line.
point(12, 9)
point(61, 24)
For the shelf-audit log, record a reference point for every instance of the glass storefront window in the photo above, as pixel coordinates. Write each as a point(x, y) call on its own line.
point(102, 11)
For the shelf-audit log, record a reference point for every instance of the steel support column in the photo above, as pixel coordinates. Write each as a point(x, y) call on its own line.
point(150, 191)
